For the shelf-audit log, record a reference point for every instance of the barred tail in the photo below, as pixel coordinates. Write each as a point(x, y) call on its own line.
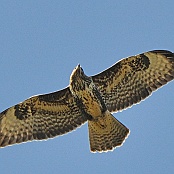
point(106, 134)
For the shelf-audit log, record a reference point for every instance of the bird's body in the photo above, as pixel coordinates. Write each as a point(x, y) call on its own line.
point(105, 132)
point(89, 99)
point(86, 93)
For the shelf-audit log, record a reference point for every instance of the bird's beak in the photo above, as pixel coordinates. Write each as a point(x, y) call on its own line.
point(78, 66)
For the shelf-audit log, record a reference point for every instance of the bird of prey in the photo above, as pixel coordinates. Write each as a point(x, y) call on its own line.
point(90, 99)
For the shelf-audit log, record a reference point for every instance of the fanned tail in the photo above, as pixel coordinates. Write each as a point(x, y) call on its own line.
point(106, 133)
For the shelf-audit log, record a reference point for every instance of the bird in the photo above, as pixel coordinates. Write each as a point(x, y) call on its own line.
point(89, 99)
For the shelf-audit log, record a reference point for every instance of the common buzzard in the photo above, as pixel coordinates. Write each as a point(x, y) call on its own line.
point(89, 98)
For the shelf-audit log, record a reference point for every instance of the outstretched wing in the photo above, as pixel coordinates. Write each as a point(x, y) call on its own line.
point(134, 78)
point(40, 117)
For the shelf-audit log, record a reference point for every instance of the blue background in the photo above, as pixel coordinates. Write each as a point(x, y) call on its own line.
point(40, 44)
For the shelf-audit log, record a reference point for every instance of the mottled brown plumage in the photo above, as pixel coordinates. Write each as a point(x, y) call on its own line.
point(89, 99)
point(134, 78)
point(105, 131)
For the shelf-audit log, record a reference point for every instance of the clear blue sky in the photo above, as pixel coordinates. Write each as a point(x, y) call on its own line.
point(40, 44)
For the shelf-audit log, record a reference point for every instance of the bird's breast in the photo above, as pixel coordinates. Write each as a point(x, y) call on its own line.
point(88, 97)
point(91, 104)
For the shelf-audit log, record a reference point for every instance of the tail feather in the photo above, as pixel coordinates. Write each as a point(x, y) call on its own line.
point(107, 137)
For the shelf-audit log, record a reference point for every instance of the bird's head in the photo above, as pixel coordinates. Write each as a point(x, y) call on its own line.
point(77, 73)
point(78, 79)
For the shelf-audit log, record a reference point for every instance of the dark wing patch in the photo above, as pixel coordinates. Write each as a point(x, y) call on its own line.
point(134, 78)
point(40, 117)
